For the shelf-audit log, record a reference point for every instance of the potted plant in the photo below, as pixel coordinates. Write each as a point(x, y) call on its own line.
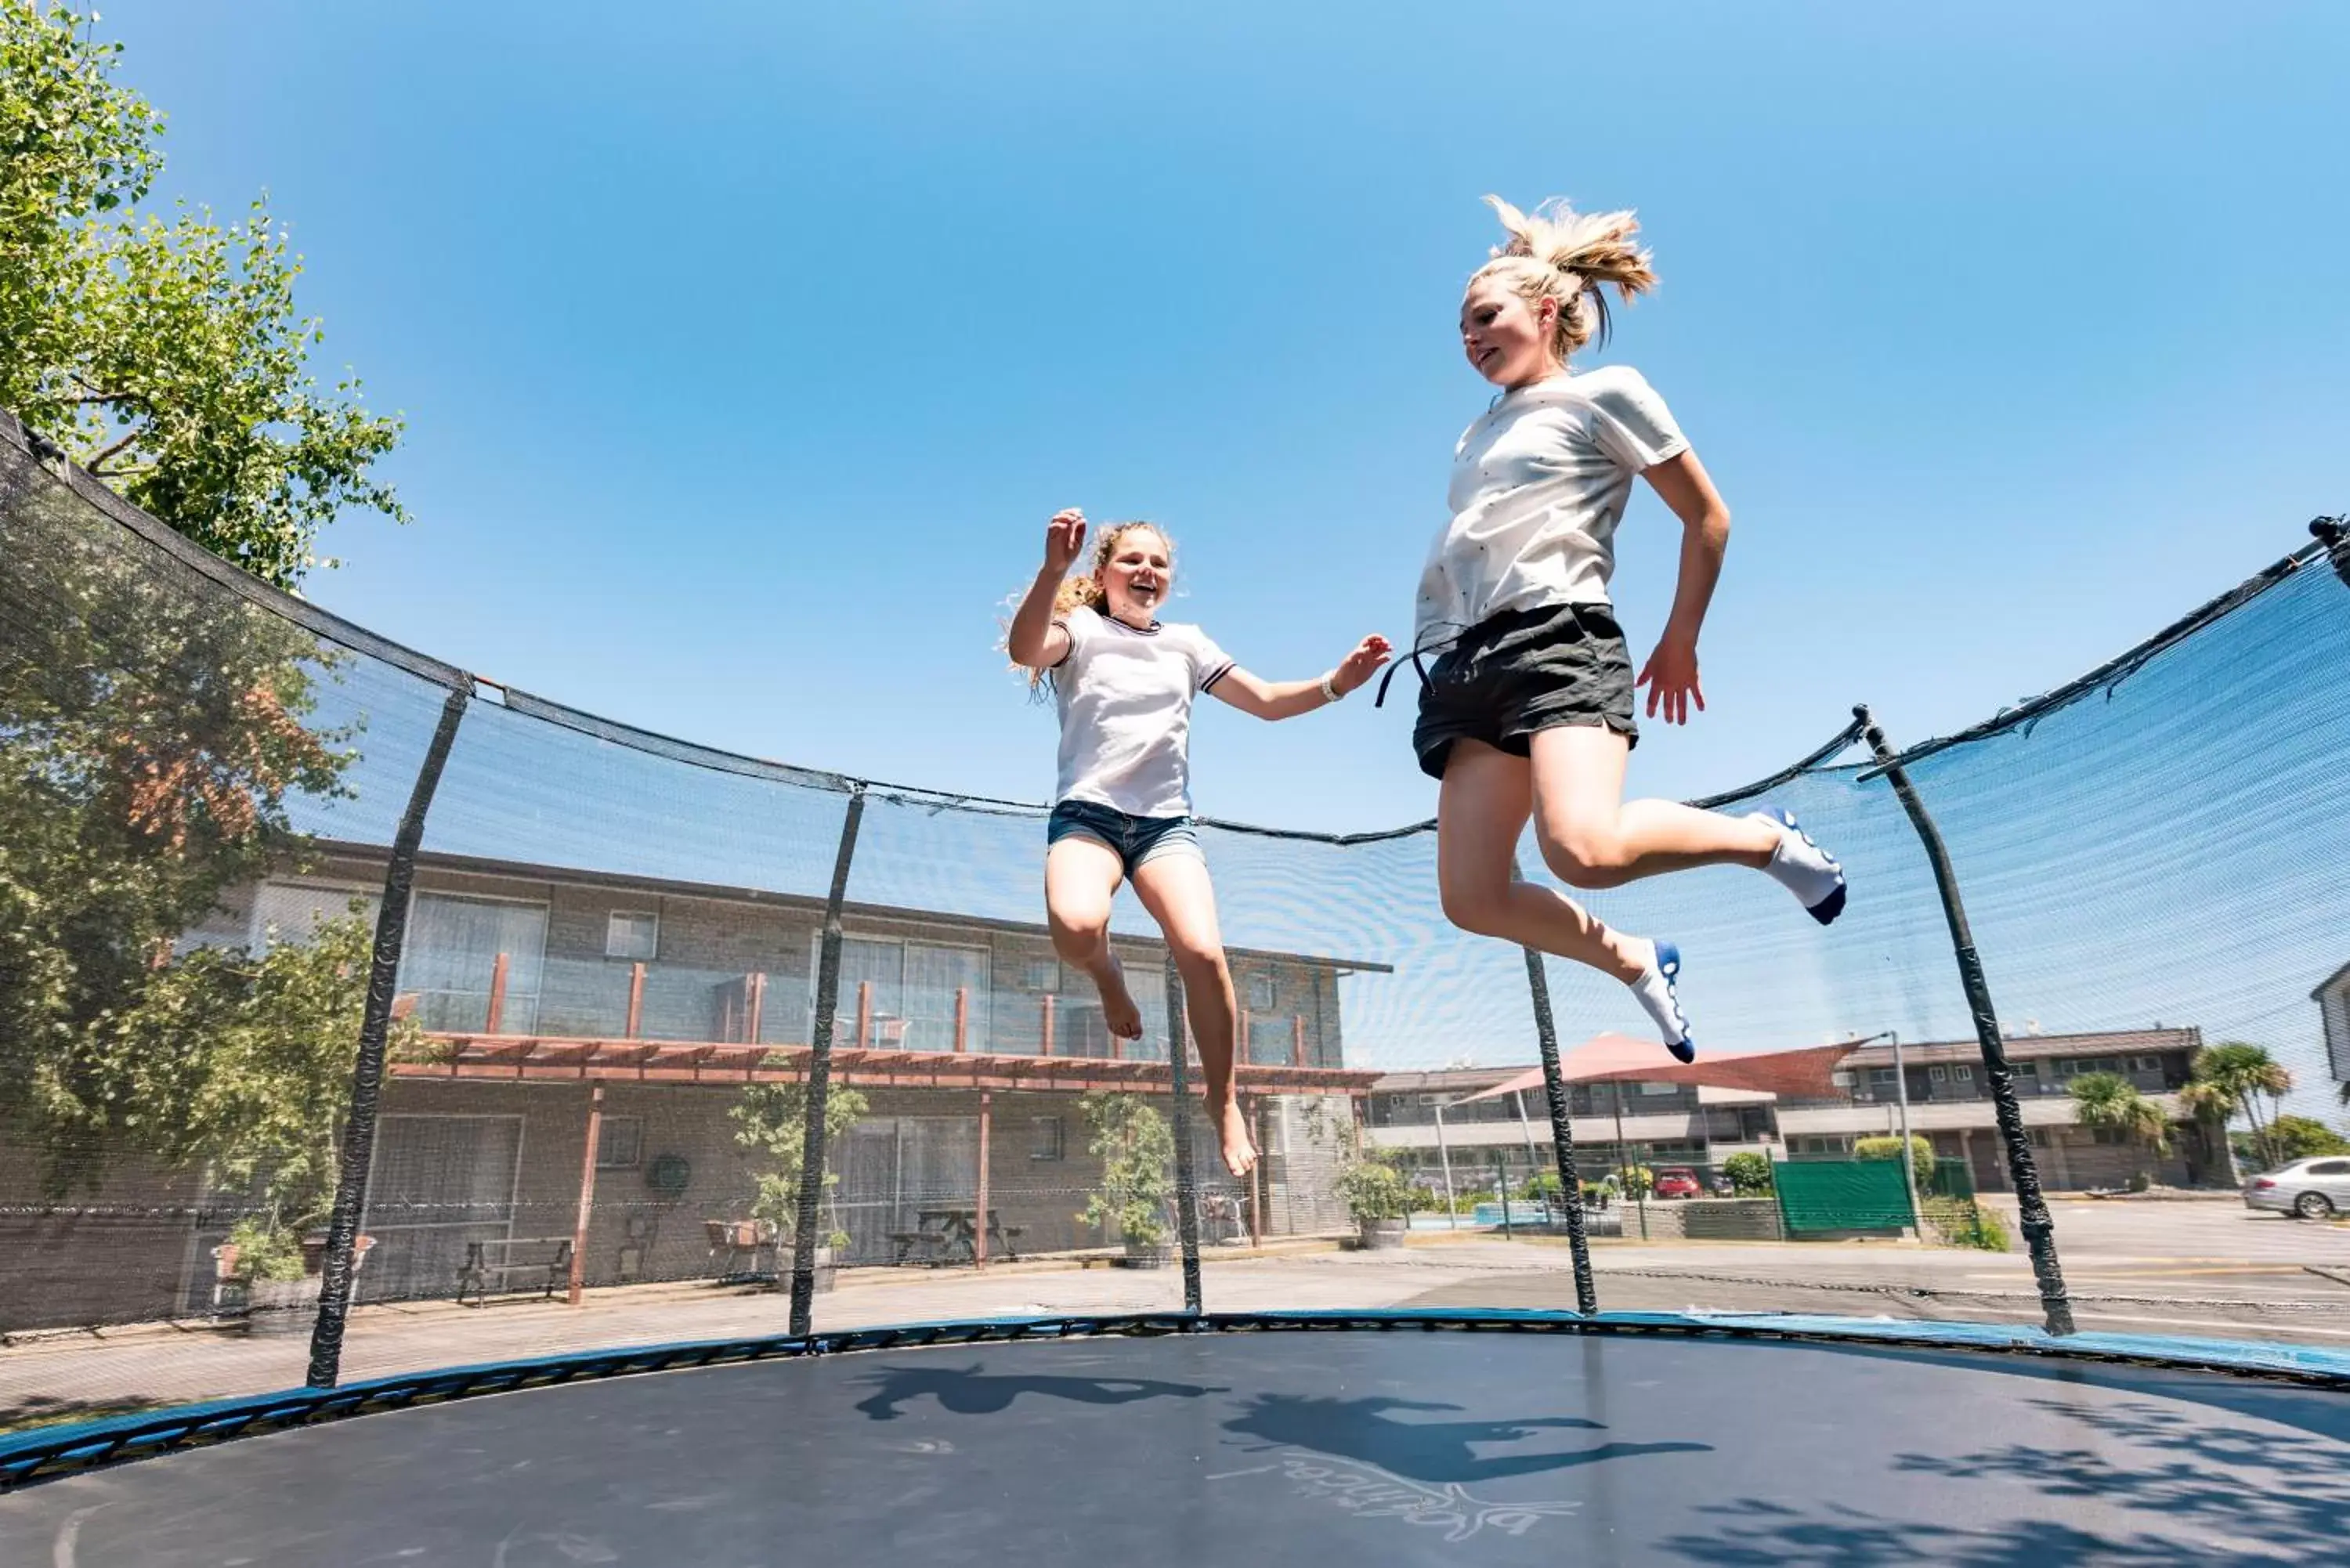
point(771, 1123)
point(281, 1296)
point(1136, 1149)
point(1377, 1198)
point(774, 1221)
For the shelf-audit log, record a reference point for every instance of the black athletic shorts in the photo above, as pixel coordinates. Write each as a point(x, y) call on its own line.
point(1521, 671)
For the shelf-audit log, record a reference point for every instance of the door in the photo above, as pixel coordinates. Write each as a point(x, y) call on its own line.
point(435, 1184)
point(893, 1169)
point(2331, 1177)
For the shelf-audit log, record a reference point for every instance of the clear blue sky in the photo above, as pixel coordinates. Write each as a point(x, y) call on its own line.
point(745, 347)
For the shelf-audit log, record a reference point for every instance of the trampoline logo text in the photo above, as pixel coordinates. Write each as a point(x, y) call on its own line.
point(1371, 1492)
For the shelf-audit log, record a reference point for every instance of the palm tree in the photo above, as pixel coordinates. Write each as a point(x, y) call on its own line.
point(2212, 1107)
point(2109, 1101)
point(2231, 1077)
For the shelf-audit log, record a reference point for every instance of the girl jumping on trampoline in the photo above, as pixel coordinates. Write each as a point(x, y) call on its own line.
point(1124, 683)
point(1526, 707)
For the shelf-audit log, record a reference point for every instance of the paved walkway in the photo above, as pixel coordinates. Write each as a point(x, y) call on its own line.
point(2181, 1268)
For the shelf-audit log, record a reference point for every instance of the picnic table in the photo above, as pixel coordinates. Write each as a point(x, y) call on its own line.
point(952, 1235)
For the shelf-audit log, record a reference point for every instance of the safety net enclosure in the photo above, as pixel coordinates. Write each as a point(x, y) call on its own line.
point(372, 1036)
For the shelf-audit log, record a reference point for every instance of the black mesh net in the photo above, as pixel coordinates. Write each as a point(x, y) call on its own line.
point(607, 1021)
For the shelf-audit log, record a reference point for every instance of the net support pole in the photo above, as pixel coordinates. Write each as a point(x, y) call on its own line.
point(2333, 533)
point(819, 1076)
point(2031, 1208)
point(576, 1286)
point(1187, 1190)
point(1562, 1129)
point(366, 1073)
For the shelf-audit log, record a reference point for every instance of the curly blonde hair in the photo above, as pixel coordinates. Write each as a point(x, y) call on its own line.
point(1086, 591)
point(1558, 254)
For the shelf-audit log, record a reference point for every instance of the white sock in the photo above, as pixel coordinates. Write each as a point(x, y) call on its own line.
point(1798, 865)
point(1654, 992)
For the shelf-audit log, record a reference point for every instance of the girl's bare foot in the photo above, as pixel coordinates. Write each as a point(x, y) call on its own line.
point(1232, 1131)
point(1120, 1015)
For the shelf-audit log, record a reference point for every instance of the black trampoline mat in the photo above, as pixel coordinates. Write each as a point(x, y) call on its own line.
point(1344, 1449)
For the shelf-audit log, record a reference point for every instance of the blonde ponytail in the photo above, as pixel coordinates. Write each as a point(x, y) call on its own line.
point(1556, 252)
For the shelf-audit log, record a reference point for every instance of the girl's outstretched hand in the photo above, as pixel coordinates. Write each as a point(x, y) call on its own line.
point(1065, 539)
point(1670, 675)
point(1362, 664)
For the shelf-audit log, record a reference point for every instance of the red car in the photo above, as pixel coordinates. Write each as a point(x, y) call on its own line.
point(1677, 1181)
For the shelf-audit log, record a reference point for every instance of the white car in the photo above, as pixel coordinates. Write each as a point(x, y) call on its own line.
point(2313, 1189)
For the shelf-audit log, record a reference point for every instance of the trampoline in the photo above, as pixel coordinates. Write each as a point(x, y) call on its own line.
point(541, 838)
point(1393, 1438)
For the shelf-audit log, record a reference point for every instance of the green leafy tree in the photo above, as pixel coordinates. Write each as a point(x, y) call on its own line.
point(236, 1063)
point(151, 739)
point(2292, 1138)
point(153, 728)
point(2107, 1102)
point(2233, 1076)
point(1136, 1149)
point(1749, 1173)
point(771, 1121)
point(166, 355)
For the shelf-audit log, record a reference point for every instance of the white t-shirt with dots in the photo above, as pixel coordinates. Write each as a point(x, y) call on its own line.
point(1538, 486)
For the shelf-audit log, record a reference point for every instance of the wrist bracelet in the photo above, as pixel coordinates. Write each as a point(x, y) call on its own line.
point(1330, 692)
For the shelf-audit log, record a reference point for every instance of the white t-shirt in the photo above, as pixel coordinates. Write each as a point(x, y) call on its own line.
point(1538, 486)
point(1125, 697)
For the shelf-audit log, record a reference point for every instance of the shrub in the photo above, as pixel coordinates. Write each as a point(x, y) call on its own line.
point(265, 1250)
point(1543, 1187)
point(1749, 1174)
point(1374, 1188)
point(1963, 1223)
point(1922, 1152)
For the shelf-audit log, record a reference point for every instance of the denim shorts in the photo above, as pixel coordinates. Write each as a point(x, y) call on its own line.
point(1135, 840)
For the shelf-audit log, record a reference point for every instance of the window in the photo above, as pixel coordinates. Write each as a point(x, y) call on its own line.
point(940, 983)
point(632, 934)
point(2147, 1064)
point(293, 912)
point(2329, 1167)
point(1261, 996)
point(1961, 1074)
point(1660, 1088)
point(1938, 1074)
point(451, 961)
point(1042, 975)
point(1880, 1075)
point(1048, 1139)
point(1841, 1079)
point(619, 1145)
point(910, 996)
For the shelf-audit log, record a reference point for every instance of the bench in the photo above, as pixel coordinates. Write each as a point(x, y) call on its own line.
point(947, 1235)
point(541, 1261)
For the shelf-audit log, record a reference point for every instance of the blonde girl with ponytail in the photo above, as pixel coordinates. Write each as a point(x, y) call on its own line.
point(1526, 709)
point(1124, 681)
